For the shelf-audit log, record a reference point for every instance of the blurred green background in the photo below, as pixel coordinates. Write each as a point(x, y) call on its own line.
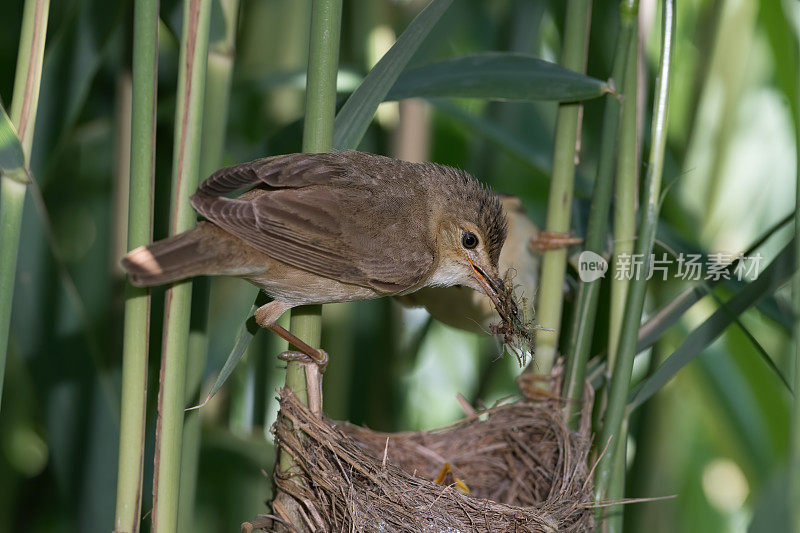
point(716, 436)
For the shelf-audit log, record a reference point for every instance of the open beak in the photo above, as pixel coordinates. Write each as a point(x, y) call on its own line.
point(495, 290)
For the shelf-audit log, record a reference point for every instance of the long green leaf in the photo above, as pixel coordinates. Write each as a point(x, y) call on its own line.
point(356, 114)
point(670, 313)
point(497, 76)
point(775, 275)
point(244, 336)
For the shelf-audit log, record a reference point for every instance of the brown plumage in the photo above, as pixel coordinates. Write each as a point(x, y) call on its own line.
point(340, 226)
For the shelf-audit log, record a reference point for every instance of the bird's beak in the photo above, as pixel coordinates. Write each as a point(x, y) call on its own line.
point(495, 289)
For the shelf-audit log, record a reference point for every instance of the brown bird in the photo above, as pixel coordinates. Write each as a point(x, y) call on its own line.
point(336, 227)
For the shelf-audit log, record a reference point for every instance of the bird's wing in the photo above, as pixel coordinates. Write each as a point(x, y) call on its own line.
point(278, 172)
point(316, 215)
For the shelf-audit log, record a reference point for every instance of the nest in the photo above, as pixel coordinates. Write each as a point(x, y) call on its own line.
point(525, 472)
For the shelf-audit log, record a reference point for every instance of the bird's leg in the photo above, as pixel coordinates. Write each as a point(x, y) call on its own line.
point(267, 317)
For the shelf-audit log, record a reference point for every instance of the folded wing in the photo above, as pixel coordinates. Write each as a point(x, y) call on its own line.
point(322, 214)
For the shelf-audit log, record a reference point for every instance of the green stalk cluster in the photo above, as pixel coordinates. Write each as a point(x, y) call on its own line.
point(586, 309)
point(634, 304)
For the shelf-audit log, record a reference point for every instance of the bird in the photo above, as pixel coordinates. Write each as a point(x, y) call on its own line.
point(473, 311)
point(316, 228)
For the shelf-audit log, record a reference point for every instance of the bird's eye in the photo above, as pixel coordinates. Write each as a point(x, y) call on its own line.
point(469, 240)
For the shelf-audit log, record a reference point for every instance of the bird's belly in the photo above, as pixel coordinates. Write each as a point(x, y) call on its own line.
point(298, 287)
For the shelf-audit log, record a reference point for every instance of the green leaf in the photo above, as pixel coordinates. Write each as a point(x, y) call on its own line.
point(673, 311)
point(497, 76)
point(12, 158)
point(245, 335)
point(775, 275)
point(356, 114)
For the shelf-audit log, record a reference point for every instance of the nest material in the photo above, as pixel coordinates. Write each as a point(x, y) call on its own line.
point(525, 470)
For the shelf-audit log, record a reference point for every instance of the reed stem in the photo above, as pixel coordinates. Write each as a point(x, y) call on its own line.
point(624, 237)
point(559, 206)
point(323, 61)
point(221, 53)
point(634, 304)
point(24, 105)
point(185, 171)
point(794, 449)
point(136, 328)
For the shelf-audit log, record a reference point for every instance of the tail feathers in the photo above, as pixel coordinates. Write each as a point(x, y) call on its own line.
point(172, 259)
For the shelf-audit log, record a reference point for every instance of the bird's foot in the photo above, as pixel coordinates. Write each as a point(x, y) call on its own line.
point(320, 357)
point(446, 475)
point(304, 352)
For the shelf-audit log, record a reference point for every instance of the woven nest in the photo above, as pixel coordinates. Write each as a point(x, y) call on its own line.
point(524, 469)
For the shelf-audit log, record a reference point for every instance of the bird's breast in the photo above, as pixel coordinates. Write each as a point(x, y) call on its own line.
point(299, 287)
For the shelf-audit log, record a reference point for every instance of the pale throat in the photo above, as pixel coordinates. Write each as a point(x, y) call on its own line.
point(449, 272)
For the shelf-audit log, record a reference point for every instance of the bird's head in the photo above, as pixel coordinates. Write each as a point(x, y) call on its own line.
point(471, 235)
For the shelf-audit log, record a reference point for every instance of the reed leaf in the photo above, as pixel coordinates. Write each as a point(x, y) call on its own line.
point(504, 76)
point(356, 114)
point(775, 275)
point(244, 337)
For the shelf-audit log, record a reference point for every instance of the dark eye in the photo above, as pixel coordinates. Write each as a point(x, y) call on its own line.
point(469, 240)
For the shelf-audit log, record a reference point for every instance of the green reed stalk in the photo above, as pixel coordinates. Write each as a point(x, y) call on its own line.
point(616, 489)
point(586, 308)
point(624, 236)
point(323, 61)
point(185, 171)
point(136, 329)
point(794, 450)
point(625, 196)
point(12, 191)
point(221, 52)
point(559, 206)
point(634, 303)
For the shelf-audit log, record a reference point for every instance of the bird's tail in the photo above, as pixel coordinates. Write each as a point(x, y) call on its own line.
point(195, 252)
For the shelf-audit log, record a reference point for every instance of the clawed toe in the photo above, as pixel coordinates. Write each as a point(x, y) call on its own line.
point(320, 357)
